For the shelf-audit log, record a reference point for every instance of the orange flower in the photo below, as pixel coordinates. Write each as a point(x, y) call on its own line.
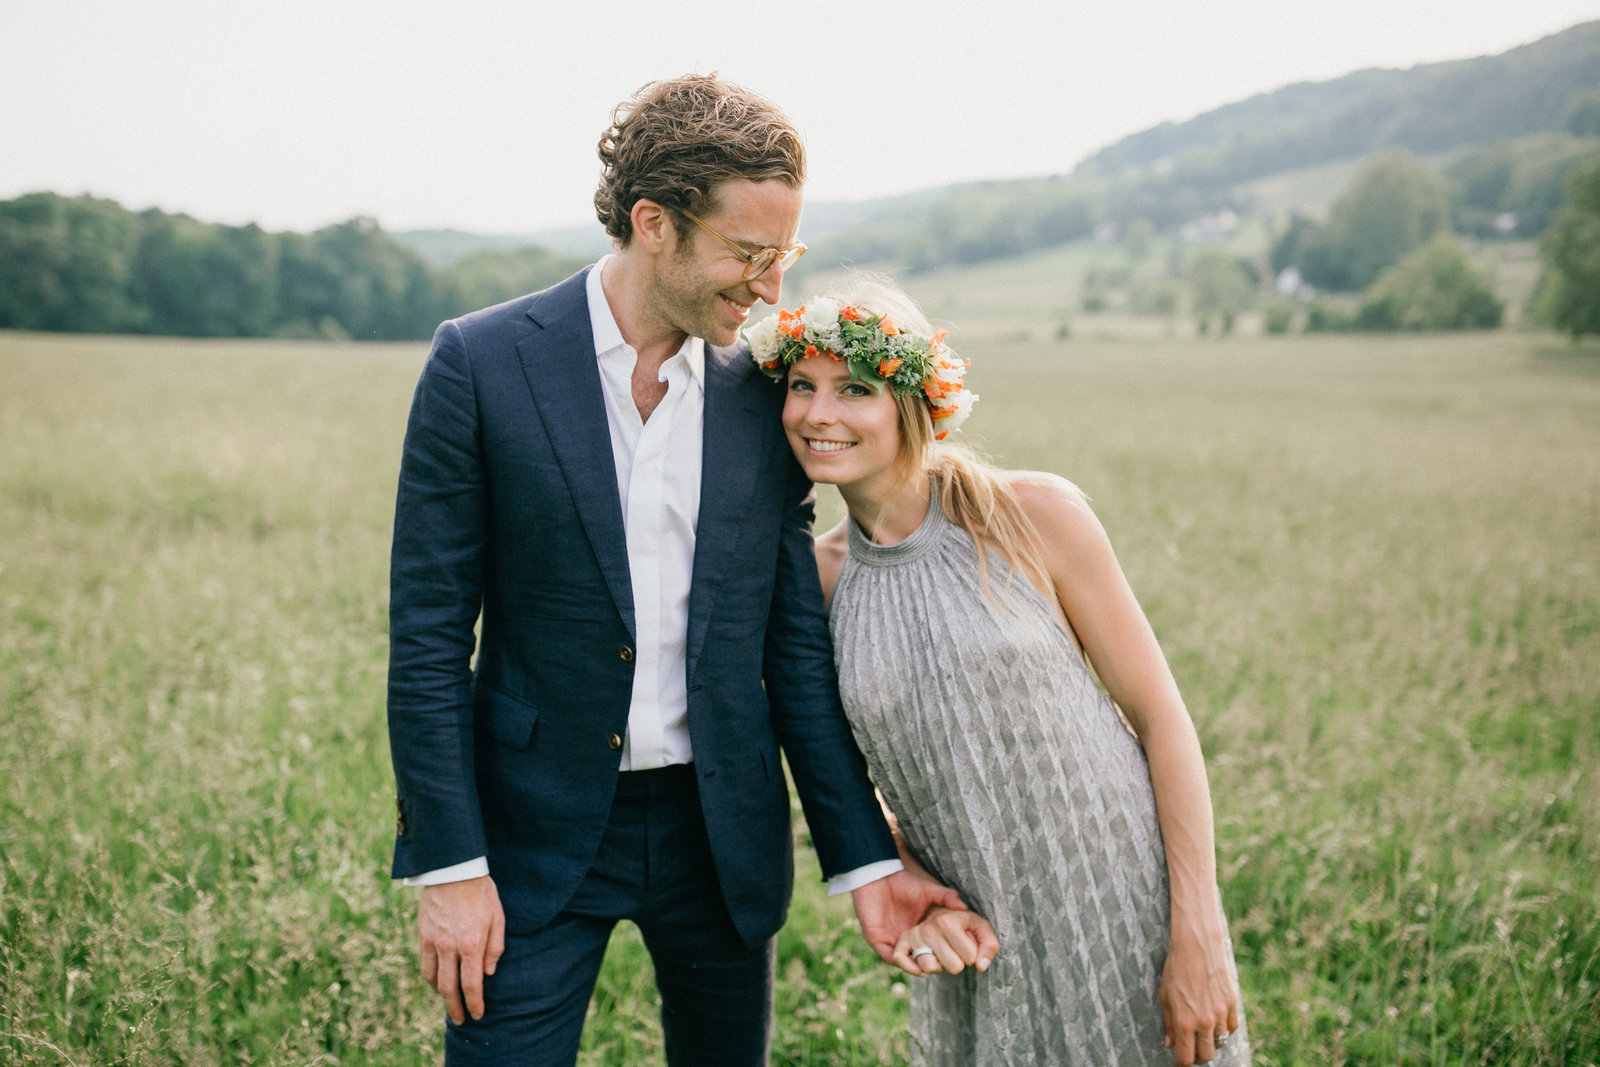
point(849, 314)
point(773, 364)
point(937, 339)
point(811, 350)
point(941, 436)
point(941, 413)
point(789, 322)
point(831, 354)
point(887, 367)
point(886, 324)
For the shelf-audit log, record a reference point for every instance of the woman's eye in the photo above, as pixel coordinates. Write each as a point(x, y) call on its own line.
point(857, 389)
point(798, 386)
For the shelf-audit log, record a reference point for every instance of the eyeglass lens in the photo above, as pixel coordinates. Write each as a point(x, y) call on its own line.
point(763, 260)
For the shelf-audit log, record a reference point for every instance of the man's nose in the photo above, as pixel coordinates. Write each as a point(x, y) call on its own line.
point(768, 285)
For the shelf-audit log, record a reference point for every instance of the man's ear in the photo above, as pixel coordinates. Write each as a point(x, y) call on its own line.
point(652, 226)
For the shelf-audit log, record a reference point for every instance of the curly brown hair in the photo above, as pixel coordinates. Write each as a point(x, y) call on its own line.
point(674, 141)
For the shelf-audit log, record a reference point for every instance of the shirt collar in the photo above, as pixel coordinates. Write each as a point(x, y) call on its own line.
point(608, 335)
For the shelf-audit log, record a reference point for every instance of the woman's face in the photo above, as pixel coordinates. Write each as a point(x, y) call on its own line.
point(843, 432)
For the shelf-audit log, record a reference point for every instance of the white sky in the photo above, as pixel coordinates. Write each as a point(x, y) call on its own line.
point(483, 114)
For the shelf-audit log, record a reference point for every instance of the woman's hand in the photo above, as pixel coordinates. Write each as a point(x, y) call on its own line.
point(1199, 1001)
point(956, 939)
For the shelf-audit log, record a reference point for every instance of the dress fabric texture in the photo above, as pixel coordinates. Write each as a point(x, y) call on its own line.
point(1014, 780)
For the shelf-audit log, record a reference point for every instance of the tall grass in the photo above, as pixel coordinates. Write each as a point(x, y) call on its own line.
point(1375, 565)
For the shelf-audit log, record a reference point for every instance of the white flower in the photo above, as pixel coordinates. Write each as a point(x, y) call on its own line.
point(821, 314)
point(946, 386)
point(822, 322)
point(764, 339)
point(950, 371)
point(962, 403)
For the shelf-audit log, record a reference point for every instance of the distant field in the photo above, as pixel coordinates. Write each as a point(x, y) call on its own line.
point(1374, 564)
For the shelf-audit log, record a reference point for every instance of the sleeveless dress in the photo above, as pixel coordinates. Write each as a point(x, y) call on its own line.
point(1015, 780)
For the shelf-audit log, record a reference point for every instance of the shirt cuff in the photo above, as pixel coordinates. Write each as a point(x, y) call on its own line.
point(477, 868)
point(850, 881)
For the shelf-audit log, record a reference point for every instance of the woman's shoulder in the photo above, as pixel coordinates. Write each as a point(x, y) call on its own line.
point(1056, 507)
point(1044, 492)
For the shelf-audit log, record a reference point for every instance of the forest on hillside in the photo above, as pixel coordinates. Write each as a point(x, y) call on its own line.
point(1484, 149)
point(1507, 130)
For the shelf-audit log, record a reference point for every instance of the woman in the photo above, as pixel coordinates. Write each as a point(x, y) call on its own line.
point(964, 603)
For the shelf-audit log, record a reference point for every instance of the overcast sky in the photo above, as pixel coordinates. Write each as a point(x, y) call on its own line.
point(483, 114)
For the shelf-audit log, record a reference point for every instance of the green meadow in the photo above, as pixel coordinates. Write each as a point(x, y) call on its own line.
point(1374, 564)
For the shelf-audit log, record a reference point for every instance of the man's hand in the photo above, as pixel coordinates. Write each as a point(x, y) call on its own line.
point(462, 931)
point(890, 906)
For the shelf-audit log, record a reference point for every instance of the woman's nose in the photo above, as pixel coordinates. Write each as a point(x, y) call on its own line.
point(820, 411)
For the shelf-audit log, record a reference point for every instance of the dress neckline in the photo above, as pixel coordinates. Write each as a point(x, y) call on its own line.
point(865, 550)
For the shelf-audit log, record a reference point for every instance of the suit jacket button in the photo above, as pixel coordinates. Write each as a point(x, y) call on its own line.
point(626, 653)
point(615, 742)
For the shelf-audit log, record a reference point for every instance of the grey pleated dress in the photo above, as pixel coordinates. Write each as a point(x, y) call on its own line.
point(1014, 780)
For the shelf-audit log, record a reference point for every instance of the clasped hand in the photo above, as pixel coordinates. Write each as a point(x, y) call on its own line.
point(946, 940)
point(908, 911)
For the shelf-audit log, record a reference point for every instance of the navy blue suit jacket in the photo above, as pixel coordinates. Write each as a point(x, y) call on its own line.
point(508, 509)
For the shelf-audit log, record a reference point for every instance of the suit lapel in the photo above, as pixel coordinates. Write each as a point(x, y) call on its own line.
point(735, 431)
point(560, 367)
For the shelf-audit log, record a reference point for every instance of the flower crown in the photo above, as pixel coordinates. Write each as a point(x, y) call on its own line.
point(877, 352)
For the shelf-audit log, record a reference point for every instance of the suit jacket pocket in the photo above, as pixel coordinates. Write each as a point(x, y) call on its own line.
point(511, 721)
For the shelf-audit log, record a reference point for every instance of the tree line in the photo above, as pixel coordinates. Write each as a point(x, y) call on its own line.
point(1502, 189)
point(83, 264)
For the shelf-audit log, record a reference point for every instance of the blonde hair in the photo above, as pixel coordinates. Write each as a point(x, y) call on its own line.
point(973, 493)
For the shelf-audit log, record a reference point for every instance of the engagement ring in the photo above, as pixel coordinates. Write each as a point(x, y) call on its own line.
point(922, 951)
point(1220, 1040)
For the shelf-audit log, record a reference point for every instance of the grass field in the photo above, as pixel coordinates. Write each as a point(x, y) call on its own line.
point(1374, 563)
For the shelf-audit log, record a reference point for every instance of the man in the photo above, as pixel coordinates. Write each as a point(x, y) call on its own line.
point(599, 473)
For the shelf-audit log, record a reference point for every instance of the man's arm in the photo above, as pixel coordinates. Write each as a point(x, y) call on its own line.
point(847, 825)
point(830, 775)
point(436, 593)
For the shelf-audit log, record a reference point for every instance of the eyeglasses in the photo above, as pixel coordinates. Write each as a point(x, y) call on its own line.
point(755, 263)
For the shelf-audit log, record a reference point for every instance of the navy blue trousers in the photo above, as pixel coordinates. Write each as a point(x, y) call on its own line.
point(654, 869)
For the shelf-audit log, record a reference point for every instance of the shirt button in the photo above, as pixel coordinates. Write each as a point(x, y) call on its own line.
point(615, 742)
point(626, 653)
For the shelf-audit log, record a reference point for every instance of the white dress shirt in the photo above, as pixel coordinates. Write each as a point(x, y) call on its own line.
point(658, 481)
point(658, 465)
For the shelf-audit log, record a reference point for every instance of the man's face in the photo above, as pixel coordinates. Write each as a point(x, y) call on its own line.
point(700, 286)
